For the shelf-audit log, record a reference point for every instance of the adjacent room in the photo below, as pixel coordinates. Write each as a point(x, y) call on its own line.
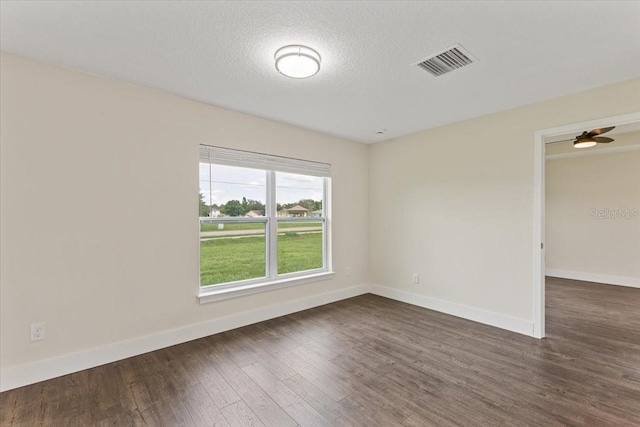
point(592, 228)
point(376, 213)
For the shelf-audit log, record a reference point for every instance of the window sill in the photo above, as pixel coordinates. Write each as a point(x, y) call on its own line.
point(238, 291)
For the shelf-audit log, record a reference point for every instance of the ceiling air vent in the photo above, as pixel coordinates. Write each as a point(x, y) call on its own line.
point(448, 60)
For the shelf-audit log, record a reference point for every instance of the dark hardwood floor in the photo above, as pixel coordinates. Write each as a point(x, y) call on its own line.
point(370, 361)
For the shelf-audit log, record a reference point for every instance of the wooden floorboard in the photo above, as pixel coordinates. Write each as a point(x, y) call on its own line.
point(370, 361)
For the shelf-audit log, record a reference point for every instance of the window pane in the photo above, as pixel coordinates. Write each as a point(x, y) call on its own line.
point(299, 246)
point(231, 252)
point(299, 243)
point(233, 191)
point(299, 195)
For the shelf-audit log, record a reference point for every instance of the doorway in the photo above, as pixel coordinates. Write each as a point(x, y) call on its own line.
point(541, 139)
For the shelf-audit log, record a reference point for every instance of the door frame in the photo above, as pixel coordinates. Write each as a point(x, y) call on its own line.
point(540, 141)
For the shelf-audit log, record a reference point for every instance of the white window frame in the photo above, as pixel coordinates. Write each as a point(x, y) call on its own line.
point(272, 280)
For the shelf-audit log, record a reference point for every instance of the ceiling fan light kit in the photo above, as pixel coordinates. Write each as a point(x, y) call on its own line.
point(584, 143)
point(297, 61)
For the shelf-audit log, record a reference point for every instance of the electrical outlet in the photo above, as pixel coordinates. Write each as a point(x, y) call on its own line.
point(348, 271)
point(37, 332)
point(416, 278)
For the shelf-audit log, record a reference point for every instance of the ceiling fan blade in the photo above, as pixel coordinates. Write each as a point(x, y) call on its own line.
point(600, 131)
point(603, 139)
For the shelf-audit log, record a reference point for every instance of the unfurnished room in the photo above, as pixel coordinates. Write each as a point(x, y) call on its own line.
point(319, 213)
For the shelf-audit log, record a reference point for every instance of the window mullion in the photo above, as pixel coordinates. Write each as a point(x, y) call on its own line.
point(272, 225)
point(326, 234)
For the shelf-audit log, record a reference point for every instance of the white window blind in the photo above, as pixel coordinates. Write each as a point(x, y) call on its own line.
point(248, 159)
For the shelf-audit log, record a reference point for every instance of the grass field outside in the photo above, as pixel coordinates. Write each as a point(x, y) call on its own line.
point(299, 252)
point(225, 260)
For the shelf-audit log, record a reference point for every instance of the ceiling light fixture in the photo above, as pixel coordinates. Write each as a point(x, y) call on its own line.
point(297, 61)
point(584, 143)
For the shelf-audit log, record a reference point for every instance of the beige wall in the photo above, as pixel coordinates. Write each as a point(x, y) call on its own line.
point(579, 190)
point(455, 204)
point(99, 185)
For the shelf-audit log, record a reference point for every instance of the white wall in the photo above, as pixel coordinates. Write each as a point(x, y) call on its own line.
point(455, 204)
point(580, 191)
point(99, 231)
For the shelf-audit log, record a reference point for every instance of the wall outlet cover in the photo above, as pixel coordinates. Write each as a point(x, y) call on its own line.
point(37, 332)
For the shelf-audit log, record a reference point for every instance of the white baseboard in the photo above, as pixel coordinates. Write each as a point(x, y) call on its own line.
point(31, 373)
point(498, 320)
point(593, 277)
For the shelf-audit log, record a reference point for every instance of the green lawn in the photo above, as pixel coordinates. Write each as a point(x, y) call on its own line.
point(257, 226)
point(229, 259)
point(299, 252)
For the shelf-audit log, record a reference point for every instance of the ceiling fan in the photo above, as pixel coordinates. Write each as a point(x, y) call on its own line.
point(591, 138)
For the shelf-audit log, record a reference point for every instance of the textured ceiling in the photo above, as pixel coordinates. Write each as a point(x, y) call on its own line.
point(221, 53)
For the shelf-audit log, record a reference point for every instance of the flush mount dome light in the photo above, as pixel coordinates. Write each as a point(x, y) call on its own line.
point(584, 143)
point(297, 61)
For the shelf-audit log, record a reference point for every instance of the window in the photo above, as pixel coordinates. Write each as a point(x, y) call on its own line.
point(263, 222)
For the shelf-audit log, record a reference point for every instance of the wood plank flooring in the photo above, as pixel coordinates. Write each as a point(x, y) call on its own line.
point(370, 361)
